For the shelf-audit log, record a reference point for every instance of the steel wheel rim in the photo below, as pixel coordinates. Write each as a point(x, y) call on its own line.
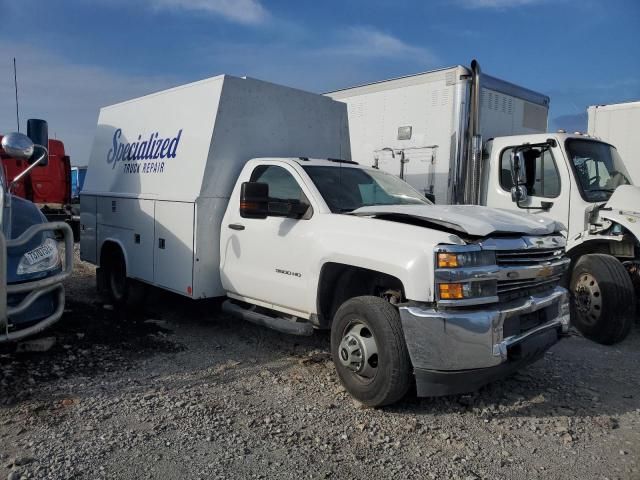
point(588, 298)
point(358, 351)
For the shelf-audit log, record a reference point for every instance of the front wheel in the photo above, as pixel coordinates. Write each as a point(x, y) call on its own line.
point(369, 351)
point(123, 292)
point(602, 299)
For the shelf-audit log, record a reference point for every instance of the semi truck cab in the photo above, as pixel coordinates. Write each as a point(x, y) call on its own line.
point(31, 267)
point(584, 184)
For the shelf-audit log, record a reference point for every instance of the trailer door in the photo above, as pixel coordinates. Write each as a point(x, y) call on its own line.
point(173, 257)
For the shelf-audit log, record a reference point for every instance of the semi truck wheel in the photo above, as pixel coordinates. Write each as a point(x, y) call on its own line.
point(122, 292)
point(602, 298)
point(369, 351)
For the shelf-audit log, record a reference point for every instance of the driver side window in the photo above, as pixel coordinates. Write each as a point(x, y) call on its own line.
point(285, 193)
point(282, 186)
point(541, 174)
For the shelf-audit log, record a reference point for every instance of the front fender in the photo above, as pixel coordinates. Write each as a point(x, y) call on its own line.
point(630, 220)
point(400, 250)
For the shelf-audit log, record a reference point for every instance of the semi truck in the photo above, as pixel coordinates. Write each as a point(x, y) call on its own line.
point(619, 124)
point(244, 190)
point(49, 186)
point(463, 137)
point(31, 267)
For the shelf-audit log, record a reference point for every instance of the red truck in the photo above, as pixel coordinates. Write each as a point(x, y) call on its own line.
point(49, 187)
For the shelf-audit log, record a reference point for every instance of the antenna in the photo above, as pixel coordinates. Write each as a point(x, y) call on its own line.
point(15, 83)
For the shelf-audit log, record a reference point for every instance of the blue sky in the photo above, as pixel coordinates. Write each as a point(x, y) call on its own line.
point(77, 55)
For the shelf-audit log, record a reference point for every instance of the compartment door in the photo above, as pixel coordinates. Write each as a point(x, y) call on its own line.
point(173, 258)
point(88, 229)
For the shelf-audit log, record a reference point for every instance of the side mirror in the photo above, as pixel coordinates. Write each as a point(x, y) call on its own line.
point(254, 200)
point(519, 194)
point(517, 161)
point(18, 145)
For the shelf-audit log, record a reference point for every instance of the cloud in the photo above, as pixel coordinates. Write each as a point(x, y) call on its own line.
point(498, 4)
point(69, 94)
point(249, 12)
point(368, 42)
point(345, 57)
point(65, 94)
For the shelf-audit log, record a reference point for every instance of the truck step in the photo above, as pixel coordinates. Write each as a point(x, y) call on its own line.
point(276, 323)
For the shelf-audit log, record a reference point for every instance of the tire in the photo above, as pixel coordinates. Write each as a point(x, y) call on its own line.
point(384, 377)
point(602, 299)
point(122, 292)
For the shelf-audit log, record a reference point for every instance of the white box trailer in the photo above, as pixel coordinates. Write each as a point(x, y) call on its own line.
point(425, 116)
point(619, 125)
point(162, 168)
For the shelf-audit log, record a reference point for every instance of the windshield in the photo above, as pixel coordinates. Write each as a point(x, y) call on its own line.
point(598, 167)
point(346, 188)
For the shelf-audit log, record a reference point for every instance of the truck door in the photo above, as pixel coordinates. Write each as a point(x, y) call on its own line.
point(266, 259)
point(547, 181)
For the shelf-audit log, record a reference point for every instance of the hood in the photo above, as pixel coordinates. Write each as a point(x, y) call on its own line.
point(625, 198)
point(23, 215)
point(470, 219)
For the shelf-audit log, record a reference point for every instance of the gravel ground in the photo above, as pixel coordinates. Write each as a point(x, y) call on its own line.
point(184, 392)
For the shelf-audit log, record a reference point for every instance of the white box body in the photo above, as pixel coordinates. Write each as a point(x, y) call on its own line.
point(434, 107)
point(619, 125)
point(165, 208)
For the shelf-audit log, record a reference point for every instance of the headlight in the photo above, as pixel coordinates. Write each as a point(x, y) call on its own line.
point(477, 258)
point(461, 291)
point(465, 275)
point(40, 259)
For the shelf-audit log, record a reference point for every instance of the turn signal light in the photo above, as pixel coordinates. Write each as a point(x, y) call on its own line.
point(450, 291)
point(447, 260)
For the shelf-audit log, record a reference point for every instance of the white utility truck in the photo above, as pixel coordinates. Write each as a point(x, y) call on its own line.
point(619, 125)
point(461, 137)
point(238, 188)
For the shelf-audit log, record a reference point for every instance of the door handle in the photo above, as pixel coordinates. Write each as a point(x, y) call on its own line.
point(236, 226)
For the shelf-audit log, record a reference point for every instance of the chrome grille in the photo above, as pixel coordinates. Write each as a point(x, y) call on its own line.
point(516, 260)
point(527, 257)
point(510, 286)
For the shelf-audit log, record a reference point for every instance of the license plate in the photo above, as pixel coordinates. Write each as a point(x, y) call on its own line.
point(39, 253)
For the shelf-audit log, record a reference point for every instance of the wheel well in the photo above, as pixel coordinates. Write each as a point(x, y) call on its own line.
point(593, 246)
point(109, 250)
point(340, 282)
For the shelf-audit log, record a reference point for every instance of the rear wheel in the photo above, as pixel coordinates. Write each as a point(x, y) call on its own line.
point(122, 292)
point(369, 351)
point(602, 299)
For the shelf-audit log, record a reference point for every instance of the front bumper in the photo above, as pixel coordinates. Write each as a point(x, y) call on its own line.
point(459, 350)
point(31, 294)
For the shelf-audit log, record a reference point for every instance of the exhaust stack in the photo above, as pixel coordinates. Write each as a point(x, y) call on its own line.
point(38, 132)
point(474, 140)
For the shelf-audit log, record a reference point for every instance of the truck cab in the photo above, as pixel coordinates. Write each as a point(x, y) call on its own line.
point(584, 184)
point(456, 295)
point(31, 267)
